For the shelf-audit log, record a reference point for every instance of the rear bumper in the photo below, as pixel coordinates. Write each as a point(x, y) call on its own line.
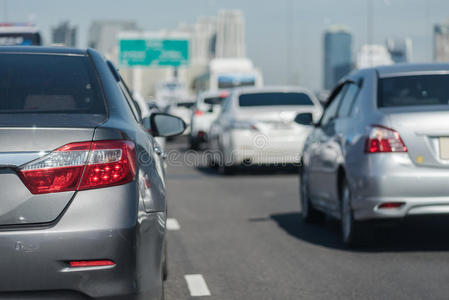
point(99, 224)
point(369, 208)
point(256, 148)
point(394, 178)
point(200, 125)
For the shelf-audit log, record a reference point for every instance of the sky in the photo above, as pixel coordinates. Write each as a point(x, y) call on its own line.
point(284, 37)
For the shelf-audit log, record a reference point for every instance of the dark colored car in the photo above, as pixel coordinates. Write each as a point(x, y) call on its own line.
point(82, 191)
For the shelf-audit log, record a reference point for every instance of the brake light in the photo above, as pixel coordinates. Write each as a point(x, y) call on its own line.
point(382, 140)
point(391, 205)
point(81, 166)
point(91, 263)
point(198, 112)
point(224, 94)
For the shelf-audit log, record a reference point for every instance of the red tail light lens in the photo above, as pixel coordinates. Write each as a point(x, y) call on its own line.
point(81, 166)
point(390, 205)
point(110, 163)
point(91, 263)
point(198, 112)
point(58, 171)
point(382, 139)
point(224, 94)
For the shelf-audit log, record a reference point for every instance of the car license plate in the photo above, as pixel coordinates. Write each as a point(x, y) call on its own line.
point(444, 148)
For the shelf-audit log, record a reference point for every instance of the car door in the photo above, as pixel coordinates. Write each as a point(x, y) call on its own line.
point(335, 150)
point(153, 171)
point(324, 155)
point(218, 126)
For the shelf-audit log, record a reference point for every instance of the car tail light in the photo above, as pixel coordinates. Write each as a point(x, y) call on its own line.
point(382, 139)
point(91, 263)
point(81, 166)
point(224, 94)
point(198, 112)
point(390, 205)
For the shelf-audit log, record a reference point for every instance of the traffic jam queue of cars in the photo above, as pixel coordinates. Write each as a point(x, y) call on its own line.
point(82, 169)
point(379, 151)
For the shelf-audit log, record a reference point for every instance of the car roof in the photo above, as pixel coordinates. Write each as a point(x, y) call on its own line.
point(42, 50)
point(386, 71)
point(271, 89)
point(214, 93)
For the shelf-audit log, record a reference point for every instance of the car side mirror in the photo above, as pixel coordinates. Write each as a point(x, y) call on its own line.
point(166, 125)
point(304, 119)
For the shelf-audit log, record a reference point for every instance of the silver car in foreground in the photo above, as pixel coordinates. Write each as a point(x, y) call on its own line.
point(82, 187)
point(381, 149)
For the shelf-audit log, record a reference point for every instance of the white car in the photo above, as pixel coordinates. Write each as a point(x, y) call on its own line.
point(207, 108)
point(146, 109)
point(260, 126)
point(182, 110)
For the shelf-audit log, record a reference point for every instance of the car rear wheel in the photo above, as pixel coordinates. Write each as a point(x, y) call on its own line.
point(194, 143)
point(308, 212)
point(225, 167)
point(351, 230)
point(164, 264)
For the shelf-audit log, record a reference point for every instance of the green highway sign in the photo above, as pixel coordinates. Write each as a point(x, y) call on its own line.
point(154, 52)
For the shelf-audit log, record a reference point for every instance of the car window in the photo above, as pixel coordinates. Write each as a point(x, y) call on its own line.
point(49, 84)
point(130, 101)
point(347, 102)
point(414, 91)
point(331, 111)
point(274, 99)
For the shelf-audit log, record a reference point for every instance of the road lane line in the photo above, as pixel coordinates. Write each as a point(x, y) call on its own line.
point(197, 285)
point(173, 224)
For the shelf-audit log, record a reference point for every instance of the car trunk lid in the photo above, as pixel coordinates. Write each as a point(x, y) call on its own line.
point(19, 146)
point(425, 133)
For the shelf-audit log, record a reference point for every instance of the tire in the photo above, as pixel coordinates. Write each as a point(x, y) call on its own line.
point(226, 170)
point(164, 264)
point(308, 212)
point(194, 143)
point(223, 168)
point(351, 230)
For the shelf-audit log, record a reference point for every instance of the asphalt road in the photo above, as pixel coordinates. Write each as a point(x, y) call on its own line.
point(244, 235)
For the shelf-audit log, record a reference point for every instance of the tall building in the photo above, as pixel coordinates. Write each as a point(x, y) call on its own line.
point(202, 38)
point(400, 49)
point(230, 39)
point(441, 42)
point(64, 34)
point(103, 34)
point(337, 55)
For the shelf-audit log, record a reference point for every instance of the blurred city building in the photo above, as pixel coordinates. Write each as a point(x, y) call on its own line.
point(372, 56)
point(337, 54)
point(64, 34)
point(210, 37)
point(441, 42)
point(203, 37)
point(400, 49)
point(230, 35)
point(103, 35)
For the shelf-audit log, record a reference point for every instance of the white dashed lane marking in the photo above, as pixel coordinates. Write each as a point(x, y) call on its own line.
point(173, 224)
point(197, 285)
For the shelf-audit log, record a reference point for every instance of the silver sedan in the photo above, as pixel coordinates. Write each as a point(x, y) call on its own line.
point(381, 148)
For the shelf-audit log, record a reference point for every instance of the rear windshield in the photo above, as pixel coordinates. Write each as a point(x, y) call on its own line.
point(414, 90)
point(48, 84)
point(185, 104)
point(273, 99)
